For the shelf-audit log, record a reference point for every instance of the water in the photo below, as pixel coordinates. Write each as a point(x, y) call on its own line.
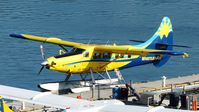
point(115, 20)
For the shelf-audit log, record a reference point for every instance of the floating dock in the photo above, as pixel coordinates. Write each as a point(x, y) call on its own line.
point(154, 92)
point(147, 90)
point(149, 86)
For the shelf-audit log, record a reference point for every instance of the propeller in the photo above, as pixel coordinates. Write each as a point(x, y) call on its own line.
point(42, 52)
point(44, 63)
point(40, 70)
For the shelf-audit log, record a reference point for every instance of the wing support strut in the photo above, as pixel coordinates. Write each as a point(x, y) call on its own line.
point(93, 82)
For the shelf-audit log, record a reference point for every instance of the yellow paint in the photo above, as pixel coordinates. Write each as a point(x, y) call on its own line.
point(5, 106)
point(79, 64)
point(165, 28)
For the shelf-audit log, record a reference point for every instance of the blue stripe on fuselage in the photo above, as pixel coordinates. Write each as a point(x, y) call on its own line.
point(136, 62)
point(99, 60)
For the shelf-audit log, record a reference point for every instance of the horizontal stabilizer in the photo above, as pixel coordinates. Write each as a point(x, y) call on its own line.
point(139, 41)
point(161, 44)
point(170, 53)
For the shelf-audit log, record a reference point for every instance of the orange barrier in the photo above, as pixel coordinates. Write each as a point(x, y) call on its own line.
point(194, 103)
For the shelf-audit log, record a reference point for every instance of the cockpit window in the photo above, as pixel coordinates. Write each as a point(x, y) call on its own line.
point(73, 51)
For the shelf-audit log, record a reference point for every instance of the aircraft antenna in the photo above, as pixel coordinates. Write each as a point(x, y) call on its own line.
point(107, 42)
point(89, 41)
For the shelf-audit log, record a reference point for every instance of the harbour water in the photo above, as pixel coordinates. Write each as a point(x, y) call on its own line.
point(108, 20)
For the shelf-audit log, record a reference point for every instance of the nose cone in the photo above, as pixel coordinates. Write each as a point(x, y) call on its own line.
point(55, 64)
point(44, 63)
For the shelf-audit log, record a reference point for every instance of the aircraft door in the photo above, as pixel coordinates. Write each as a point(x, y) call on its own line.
point(85, 61)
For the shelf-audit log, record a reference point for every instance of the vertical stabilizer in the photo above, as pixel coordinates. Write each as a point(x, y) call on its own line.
point(3, 106)
point(162, 39)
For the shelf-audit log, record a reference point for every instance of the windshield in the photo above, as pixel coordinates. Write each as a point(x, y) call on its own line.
point(73, 51)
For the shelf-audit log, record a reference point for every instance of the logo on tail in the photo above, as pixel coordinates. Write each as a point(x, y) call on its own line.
point(165, 28)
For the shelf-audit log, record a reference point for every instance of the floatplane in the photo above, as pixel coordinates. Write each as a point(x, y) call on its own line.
point(58, 103)
point(102, 58)
point(3, 106)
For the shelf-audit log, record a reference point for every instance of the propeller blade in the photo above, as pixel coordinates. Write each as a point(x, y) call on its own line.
point(42, 52)
point(40, 70)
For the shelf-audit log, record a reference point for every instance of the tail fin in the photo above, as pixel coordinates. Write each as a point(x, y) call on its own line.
point(161, 40)
point(3, 106)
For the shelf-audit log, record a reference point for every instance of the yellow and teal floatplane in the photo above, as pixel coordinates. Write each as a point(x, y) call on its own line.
point(98, 58)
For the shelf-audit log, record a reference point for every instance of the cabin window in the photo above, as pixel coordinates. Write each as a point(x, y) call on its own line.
point(121, 55)
point(129, 56)
point(116, 56)
point(86, 54)
point(97, 55)
point(107, 55)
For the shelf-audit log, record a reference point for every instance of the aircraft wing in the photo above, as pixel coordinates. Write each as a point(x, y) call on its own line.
point(45, 98)
point(55, 101)
point(137, 51)
point(52, 40)
point(73, 104)
point(125, 49)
